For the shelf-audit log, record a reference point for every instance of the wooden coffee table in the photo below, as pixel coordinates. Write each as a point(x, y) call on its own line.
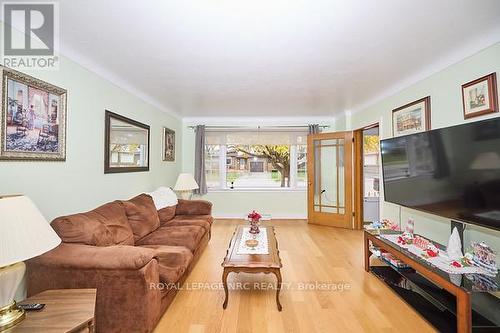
point(252, 263)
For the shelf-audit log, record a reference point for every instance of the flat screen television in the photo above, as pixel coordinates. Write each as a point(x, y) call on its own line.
point(452, 172)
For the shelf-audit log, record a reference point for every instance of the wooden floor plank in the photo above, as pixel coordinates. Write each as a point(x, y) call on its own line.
point(309, 254)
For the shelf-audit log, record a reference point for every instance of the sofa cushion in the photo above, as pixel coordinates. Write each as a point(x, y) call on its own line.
point(104, 226)
point(193, 207)
point(142, 215)
point(173, 261)
point(188, 236)
point(204, 221)
point(166, 214)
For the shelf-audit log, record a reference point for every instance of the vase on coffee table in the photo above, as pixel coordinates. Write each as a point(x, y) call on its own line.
point(254, 218)
point(254, 227)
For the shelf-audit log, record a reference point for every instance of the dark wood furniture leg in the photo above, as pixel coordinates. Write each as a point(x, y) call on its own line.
point(277, 272)
point(224, 283)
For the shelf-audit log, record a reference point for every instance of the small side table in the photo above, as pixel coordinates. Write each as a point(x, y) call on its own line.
point(65, 311)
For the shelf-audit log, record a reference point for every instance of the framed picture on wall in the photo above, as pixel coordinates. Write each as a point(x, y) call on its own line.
point(412, 118)
point(168, 151)
point(33, 118)
point(480, 96)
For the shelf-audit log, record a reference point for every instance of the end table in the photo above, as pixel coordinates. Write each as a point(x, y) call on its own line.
point(66, 310)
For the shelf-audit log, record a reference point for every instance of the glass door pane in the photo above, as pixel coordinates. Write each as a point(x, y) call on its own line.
point(327, 155)
point(329, 179)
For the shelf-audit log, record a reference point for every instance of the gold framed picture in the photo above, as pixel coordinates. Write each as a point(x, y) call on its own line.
point(480, 96)
point(412, 118)
point(33, 118)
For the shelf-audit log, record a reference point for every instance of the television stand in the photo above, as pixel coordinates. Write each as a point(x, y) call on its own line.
point(451, 303)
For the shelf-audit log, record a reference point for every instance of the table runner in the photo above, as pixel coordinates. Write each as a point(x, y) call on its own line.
point(262, 248)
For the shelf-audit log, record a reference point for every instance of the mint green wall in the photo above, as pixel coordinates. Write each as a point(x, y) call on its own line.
point(444, 88)
point(80, 183)
point(342, 122)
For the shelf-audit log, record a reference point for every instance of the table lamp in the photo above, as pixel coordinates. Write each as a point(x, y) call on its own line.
point(185, 185)
point(24, 234)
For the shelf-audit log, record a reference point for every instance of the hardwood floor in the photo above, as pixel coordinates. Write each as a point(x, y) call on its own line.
point(309, 254)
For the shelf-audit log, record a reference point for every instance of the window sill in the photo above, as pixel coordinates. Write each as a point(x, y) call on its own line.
point(256, 190)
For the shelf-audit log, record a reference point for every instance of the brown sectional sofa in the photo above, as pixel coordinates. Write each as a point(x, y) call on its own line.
point(134, 255)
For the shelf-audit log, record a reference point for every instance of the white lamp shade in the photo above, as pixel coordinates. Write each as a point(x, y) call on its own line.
point(185, 182)
point(24, 232)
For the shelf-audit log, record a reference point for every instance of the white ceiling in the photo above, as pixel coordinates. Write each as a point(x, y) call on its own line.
point(272, 57)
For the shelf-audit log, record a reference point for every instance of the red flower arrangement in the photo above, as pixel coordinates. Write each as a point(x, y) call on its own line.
point(254, 216)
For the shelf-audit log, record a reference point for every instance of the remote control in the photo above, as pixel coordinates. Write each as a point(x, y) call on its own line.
point(31, 307)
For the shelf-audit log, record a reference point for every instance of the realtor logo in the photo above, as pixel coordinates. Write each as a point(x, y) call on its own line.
point(30, 35)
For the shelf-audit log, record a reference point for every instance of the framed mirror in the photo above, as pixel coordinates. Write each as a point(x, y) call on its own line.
point(126, 144)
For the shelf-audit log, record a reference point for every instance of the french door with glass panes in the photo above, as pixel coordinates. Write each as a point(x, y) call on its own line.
point(330, 179)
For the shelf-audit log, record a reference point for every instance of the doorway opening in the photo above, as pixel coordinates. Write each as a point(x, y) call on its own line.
point(367, 175)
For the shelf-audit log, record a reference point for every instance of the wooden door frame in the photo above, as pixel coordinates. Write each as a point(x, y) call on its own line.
point(358, 174)
point(348, 192)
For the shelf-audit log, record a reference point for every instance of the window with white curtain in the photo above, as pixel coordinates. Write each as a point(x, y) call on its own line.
point(237, 158)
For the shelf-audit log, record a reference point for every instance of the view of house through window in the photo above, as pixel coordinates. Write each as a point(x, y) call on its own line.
point(263, 159)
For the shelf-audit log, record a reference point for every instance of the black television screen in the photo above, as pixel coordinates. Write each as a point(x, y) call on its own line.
point(452, 172)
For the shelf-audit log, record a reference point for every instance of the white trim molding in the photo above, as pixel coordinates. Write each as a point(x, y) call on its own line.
point(258, 121)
